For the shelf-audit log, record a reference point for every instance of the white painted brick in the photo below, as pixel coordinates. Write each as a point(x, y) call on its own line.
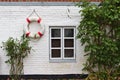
point(12, 20)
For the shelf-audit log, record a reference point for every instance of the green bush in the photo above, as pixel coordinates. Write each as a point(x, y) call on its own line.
point(99, 31)
point(16, 50)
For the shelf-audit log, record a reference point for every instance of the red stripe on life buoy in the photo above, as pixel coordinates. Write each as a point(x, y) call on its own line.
point(40, 34)
point(28, 20)
point(39, 20)
point(27, 34)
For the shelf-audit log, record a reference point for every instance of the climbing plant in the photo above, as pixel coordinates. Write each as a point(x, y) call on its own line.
point(99, 31)
point(16, 50)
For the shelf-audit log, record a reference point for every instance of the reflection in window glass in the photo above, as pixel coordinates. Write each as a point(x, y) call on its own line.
point(55, 33)
point(68, 32)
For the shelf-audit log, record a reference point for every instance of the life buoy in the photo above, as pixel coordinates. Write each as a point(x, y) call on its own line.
point(27, 28)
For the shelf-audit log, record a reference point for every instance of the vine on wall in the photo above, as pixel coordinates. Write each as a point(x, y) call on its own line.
point(16, 50)
point(99, 31)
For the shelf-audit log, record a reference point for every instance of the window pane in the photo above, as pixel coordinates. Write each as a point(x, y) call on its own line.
point(69, 43)
point(56, 53)
point(68, 32)
point(56, 43)
point(69, 53)
point(55, 33)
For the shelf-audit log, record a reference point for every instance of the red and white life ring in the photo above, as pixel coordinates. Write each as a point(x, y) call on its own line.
point(27, 28)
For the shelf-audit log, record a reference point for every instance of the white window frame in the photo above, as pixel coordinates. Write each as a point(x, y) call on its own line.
point(62, 28)
point(55, 38)
point(68, 38)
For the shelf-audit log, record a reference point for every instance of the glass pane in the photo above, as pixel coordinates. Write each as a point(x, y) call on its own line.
point(56, 43)
point(69, 42)
point(69, 53)
point(55, 32)
point(68, 32)
point(56, 53)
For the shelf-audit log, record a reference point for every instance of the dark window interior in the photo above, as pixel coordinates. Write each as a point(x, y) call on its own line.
point(56, 53)
point(69, 53)
point(56, 42)
point(69, 43)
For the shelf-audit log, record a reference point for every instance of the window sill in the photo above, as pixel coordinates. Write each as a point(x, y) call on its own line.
point(62, 60)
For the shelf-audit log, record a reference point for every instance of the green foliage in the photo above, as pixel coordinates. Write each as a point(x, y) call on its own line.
point(99, 31)
point(16, 50)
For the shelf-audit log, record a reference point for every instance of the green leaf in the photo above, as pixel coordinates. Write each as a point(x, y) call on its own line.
point(99, 32)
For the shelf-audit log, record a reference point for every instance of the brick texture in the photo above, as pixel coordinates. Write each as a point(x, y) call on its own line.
point(45, 0)
point(12, 23)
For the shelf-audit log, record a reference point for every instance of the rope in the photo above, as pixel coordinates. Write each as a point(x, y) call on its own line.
point(33, 12)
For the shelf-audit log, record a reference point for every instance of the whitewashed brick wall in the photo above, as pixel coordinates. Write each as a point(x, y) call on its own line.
point(12, 20)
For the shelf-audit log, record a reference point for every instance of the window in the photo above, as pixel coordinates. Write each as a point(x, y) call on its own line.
point(62, 43)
